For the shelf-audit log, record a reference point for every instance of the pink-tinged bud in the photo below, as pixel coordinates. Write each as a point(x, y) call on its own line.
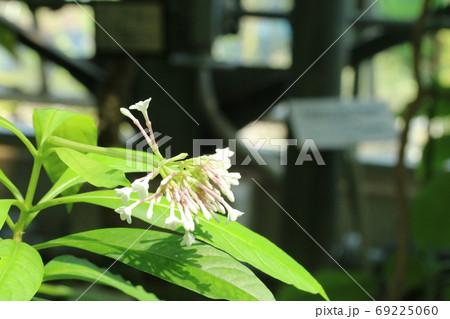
point(168, 178)
point(127, 113)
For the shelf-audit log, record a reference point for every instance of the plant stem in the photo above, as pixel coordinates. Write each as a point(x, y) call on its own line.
point(37, 165)
point(10, 186)
point(21, 224)
point(10, 222)
point(153, 144)
point(395, 290)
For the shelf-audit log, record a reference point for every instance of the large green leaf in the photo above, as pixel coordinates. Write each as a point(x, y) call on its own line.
point(21, 270)
point(71, 267)
point(200, 268)
point(130, 160)
point(5, 205)
point(91, 170)
point(65, 124)
point(431, 215)
point(237, 240)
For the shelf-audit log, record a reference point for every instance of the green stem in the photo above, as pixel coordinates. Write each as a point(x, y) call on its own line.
point(11, 127)
point(19, 227)
point(10, 222)
point(37, 165)
point(10, 186)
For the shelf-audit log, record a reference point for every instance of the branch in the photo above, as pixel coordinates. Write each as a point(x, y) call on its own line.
point(403, 236)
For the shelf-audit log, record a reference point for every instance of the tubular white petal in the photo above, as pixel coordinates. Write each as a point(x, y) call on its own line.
point(140, 187)
point(124, 193)
point(188, 239)
point(150, 209)
point(141, 106)
point(205, 212)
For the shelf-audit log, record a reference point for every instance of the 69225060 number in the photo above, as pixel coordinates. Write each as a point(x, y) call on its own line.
point(406, 310)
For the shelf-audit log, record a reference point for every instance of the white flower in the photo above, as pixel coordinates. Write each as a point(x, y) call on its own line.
point(141, 106)
point(233, 214)
point(223, 156)
point(188, 239)
point(124, 193)
point(125, 212)
point(172, 221)
point(232, 178)
point(140, 187)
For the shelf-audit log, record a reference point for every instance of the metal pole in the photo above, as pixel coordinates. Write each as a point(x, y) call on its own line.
point(311, 190)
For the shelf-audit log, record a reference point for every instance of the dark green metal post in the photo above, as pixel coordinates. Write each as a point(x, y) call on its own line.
point(311, 190)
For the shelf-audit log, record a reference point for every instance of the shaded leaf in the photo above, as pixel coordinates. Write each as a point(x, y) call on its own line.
point(200, 268)
point(71, 267)
point(430, 214)
point(237, 240)
point(435, 154)
point(339, 286)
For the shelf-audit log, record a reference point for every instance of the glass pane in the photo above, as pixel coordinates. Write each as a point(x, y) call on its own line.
point(263, 42)
point(268, 5)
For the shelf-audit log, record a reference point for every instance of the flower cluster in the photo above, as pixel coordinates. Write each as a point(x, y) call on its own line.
point(193, 187)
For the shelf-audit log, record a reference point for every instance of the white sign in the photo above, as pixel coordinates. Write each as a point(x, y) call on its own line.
point(335, 124)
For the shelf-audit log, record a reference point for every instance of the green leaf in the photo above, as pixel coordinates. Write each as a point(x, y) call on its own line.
point(4, 123)
point(237, 240)
point(200, 268)
point(21, 271)
point(92, 171)
point(65, 124)
point(430, 214)
point(339, 286)
point(132, 161)
point(67, 180)
point(70, 267)
point(5, 205)
point(59, 291)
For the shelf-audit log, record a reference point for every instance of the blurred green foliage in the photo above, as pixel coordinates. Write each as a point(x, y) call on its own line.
point(338, 285)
